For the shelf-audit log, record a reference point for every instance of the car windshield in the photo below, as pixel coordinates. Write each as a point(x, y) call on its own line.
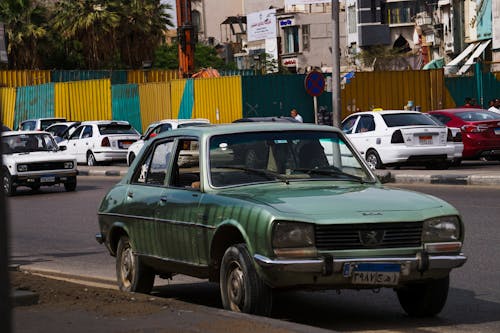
point(106, 129)
point(284, 156)
point(25, 143)
point(407, 119)
point(477, 115)
point(191, 124)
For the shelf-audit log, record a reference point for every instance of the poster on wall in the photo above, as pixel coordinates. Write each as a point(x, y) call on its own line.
point(304, 2)
point(261, 25)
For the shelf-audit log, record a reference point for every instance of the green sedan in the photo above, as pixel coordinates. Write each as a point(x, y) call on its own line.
point(259, 207)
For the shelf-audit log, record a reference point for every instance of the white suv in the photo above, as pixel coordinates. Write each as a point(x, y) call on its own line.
point(158, 127)
point(101, 141)
point(399, 137)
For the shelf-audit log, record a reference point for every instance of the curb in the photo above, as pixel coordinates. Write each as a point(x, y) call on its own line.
point(108, 173)
point(446, 179)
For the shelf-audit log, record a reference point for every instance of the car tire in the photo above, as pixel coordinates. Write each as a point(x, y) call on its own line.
point(70, 184)
point(131, 273)
point(8, 188)
point(424, 299)
point(373, 159)
point(131, 158)
point(242, 290)
point(91, 161)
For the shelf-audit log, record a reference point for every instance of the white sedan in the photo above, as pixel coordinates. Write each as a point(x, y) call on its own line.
point(101, 141)
point(387, 138)
point(158, 127)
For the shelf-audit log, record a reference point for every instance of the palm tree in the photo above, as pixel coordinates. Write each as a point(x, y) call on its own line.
point(142, 27)
point(24, 26)
point(93, 23)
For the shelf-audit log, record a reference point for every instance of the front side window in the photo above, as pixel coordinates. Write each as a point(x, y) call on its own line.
point(153, 169)
point(291, 39)
point(348, 125)
point(76, 134)
point(249, 158)
point(351, 17)
point(87, 132)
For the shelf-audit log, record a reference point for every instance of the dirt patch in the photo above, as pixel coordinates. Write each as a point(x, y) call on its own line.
point(108, 302)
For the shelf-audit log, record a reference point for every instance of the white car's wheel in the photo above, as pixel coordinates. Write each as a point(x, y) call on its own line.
point(373, 159)
point(91, 161)
point(8, 188)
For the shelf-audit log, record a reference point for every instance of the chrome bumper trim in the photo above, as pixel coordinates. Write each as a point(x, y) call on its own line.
point(326, 265)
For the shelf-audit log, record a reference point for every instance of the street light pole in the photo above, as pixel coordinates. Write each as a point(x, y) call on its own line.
point(336, 111)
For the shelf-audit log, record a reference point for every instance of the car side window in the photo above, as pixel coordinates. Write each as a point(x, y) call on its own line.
point(186, 167)
point(348, 125)
point(154, 167)
point(444, 119)
point(76, 133)
point(365, 124)
point(28, 126)
point(87, 132)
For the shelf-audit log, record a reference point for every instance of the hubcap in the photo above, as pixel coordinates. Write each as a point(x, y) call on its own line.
point(372, 161)
point(91, 160)
point(6, 183)
point(127, 267)
point(235, 287)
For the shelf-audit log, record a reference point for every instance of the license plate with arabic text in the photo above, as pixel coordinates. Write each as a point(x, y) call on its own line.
point(425, 139)
point(374, 274)
point(47, 179)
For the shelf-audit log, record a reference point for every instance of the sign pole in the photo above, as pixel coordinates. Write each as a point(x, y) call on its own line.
point(315, 101)
point(336, 111)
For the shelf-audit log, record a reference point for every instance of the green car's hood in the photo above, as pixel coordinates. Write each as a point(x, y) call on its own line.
point(347, 202)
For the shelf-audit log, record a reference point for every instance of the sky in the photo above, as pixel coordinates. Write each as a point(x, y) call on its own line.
point(174, 15)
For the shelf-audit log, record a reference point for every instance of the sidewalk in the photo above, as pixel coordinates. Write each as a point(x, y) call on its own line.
point(469, 173)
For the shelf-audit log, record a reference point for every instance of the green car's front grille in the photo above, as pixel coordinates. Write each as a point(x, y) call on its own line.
point(368, 235)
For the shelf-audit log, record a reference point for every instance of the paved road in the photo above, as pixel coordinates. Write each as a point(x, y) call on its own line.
point(57, 233)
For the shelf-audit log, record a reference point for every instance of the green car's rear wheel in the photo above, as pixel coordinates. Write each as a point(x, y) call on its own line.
point(242, 290)
point(131, 273)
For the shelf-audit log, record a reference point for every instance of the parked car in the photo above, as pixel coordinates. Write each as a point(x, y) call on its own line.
point(38, 124)
point(62, 131)
point(313, 216)
point(5, 128)
point(455, 138)
point(388, 138)
point(33, 159)
point(480, 131)
point(159, 127)
point(101, 141)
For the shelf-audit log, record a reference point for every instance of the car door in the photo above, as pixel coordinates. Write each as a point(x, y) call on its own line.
point(363, 135)
point(177, 214)
point(144, 195)
point(72, 144)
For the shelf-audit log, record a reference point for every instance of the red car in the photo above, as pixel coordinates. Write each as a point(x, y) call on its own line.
point(480, 131)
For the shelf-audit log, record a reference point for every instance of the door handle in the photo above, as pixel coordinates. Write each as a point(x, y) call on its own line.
point(163, 200)
point(130, 194)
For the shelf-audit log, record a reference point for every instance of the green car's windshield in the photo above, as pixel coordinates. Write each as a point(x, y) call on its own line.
point(258, 157)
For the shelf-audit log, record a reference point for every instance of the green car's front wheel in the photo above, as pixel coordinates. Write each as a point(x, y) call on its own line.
point(425, 299)
point(131, 273)
point(242, 290)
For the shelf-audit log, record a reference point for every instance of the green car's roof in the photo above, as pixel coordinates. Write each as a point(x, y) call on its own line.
point(247, 127)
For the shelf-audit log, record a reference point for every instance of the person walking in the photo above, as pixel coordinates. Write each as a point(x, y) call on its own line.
point(295, 115)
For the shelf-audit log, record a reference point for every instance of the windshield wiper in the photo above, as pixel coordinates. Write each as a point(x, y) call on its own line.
point(330, 171)
point(266, 173)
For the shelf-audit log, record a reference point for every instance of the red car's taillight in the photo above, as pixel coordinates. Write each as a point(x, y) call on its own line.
point(473, 129)
point(105, 142)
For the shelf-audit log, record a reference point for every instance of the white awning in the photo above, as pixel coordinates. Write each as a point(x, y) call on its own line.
point(477, 53)
point(462, 55)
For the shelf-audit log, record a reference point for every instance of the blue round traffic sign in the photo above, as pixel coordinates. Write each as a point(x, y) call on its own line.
point(314, 83)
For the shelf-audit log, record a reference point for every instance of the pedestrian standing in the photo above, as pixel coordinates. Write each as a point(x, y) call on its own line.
point(295, 115)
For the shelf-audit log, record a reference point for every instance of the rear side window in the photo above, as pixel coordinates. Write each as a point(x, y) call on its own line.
point(407, 119)
point(106, 129)
point(47, 122)
point(442, 118)
point(28, 126)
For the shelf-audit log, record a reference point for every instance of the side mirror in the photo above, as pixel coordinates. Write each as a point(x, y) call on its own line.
point(62, 148)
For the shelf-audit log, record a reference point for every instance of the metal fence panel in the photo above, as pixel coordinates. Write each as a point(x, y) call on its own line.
point(276, 95)
point(182, 98)
point(154, 102)
point(34, 102)
point(84, 100)
point(126, 105)
point(20, 78)
point(116, 76)
point(144, 76)
point(218, 99)
point(7, 106)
